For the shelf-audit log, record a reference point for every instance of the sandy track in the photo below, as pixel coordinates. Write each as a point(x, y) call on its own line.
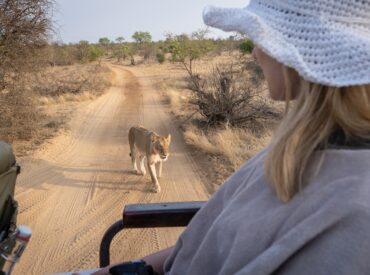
point(71, 190)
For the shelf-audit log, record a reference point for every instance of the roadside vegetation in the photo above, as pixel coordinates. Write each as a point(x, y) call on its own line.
point(215, 89)
point(222, 106)
point(37, 78)
point(217, 92)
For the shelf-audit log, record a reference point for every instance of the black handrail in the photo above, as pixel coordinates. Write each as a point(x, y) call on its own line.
point(174, 214)
point(104, 257)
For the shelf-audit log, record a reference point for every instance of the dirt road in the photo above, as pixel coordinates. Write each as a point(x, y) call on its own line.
point(73, 188)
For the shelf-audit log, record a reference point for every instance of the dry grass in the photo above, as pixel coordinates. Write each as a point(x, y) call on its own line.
point(197, 137)
point(237, 145)
point(69, 82)
point(37, 106)
point(61, 99)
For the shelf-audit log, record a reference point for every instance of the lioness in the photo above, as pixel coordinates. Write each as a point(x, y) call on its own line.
point(149, 145)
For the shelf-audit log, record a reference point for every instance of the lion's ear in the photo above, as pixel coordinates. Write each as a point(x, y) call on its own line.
point(168, 138)
point(153, 138)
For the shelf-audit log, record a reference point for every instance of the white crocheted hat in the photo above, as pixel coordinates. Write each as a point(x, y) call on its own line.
point(325, 41)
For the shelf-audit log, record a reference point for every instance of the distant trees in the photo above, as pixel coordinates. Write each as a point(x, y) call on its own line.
point(183, 48)
point(121, 52)
point(88, 53)
point(143, 44)
point(104, 41)
point(120, 39)
point(200, 34)
point(186, 49)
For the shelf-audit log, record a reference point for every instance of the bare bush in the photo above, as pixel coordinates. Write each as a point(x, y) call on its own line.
point(24, 29)
point(231, 94)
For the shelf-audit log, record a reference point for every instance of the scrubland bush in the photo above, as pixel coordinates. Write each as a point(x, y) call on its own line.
point(230, 94)
point(246, 46)
point(95, 53)
point(160, 57)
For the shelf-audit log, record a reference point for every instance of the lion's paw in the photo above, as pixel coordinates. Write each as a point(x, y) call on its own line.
point(156, 188)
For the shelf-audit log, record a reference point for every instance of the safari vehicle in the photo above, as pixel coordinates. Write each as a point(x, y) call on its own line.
point(13, 239)
point(174, 214)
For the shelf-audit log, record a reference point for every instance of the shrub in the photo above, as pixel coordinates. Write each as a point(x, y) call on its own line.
point(94, 53)
point(246, 46)
point(229, 95)
point(160, 57)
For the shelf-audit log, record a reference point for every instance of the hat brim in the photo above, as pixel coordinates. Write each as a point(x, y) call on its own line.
point(290, 50)
point(247, 22)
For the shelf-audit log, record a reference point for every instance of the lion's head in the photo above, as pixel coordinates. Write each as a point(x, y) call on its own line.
point(161, 146)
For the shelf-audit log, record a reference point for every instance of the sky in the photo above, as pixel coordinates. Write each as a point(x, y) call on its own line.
point(90, 20)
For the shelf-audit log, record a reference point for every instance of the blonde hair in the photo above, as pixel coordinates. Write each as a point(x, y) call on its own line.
point(317, 112)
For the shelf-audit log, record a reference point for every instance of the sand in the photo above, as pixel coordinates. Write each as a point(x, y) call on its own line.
point(73, 188)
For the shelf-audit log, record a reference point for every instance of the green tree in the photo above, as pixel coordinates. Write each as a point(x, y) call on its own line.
point(120, 39)
point(201, 34)
point(186, 50)
point(144, 47)
point(142, 37)
point(104, 41)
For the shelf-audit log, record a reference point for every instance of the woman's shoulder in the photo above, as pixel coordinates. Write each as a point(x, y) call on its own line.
point(343, 178)
point(252, 168)
point(350, 168)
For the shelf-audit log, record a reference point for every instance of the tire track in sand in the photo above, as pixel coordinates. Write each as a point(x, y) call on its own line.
point(74, 188)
